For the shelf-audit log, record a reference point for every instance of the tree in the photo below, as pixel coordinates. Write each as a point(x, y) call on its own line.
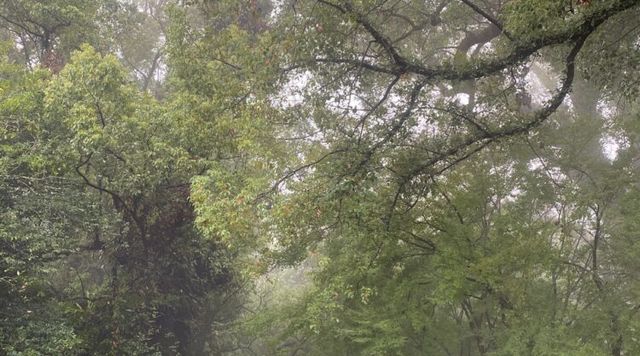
point(143, 279)
point(33, 235)
point(414, 177)
point(420, 181)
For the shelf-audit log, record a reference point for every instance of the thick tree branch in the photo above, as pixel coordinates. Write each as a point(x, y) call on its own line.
point(480, 68)
point(474, 144)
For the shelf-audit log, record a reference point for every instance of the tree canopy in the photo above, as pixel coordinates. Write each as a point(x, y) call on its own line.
point(339, 177)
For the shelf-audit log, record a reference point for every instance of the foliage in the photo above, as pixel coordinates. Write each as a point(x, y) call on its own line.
point(319, 177)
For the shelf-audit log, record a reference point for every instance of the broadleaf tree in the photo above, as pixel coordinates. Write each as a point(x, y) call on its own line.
point(319, 177)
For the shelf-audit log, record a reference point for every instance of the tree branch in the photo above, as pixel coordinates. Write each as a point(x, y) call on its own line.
point(477, 143)
point(480, 68)
point(488, 17)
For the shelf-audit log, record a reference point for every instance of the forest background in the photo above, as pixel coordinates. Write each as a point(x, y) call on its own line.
point(319, 177)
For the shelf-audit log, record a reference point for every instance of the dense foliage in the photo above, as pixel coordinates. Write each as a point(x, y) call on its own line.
point(319, 177)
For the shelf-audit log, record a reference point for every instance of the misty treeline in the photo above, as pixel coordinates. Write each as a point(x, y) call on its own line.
point(311, 177)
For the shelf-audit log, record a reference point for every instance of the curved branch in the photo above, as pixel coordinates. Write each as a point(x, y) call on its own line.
point(488, 17)
point(116, 198)
point(382, 40)
point(275, 186)
point(477, 143)
point(479, 69)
